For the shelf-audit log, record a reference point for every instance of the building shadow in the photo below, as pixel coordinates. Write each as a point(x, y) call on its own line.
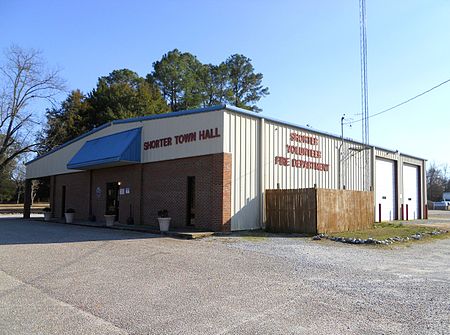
point(15, 231)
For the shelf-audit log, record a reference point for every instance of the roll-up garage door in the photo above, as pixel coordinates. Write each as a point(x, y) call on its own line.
point(411, 192)
point(385, 190)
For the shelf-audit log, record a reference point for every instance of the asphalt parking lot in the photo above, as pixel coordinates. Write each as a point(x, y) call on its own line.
point(63, 279)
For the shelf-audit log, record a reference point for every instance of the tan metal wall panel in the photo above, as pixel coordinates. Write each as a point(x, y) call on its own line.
point(173, 127)
point(243, 143)
point(351, 159)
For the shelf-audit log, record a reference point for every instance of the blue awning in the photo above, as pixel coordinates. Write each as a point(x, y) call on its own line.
point(112, 150)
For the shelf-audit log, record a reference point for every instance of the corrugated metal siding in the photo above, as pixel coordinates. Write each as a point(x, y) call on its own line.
point(242, 142)
point(277, 137)
point(386, 154)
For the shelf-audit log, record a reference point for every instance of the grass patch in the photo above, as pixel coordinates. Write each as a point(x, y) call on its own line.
point(384, 230)
point(253, 235)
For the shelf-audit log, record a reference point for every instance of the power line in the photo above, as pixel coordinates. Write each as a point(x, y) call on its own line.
point(404, 102)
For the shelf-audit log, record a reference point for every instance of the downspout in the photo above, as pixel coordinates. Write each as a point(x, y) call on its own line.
point(262, 160)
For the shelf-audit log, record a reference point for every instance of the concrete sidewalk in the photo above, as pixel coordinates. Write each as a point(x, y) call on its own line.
point(188, 234)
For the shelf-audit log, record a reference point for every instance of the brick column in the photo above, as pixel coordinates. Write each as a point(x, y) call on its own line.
point(226, 189)
point(221, 193)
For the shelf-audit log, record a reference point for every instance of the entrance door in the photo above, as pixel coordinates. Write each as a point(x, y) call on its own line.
point(112, 199)
point(190, 217)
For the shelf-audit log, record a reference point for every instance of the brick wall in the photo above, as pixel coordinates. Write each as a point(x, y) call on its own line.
point(129, 176)
point(77, 194)
point(163, 185)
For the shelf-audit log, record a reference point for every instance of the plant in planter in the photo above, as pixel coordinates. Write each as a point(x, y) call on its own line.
point(110, 217)
point(164, 220)
point(69, 214)
point(47, 213)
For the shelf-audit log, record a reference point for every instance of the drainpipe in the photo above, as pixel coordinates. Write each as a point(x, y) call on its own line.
point(262, 172)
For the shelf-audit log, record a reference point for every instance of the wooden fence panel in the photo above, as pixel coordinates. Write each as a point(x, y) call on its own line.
point(314, 211)
point(291, 211)
point(343, 210)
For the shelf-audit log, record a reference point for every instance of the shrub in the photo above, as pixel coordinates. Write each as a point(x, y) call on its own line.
point(163, 213)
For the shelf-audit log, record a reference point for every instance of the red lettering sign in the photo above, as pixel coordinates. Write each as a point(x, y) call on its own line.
point(204, 134)
point(301, 151)
point(304, 139)
point(282, 161)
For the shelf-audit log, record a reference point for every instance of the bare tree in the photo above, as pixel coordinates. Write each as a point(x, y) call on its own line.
point(25, 80)
point(18, 176)
point(35, 183)
point(437, 181)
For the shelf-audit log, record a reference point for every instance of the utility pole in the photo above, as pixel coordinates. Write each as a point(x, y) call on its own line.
point(364, 91)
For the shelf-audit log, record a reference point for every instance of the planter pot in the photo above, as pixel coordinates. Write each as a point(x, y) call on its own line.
point(47, 216)
point(69, 217)
point(110, 219)
point(164, 224)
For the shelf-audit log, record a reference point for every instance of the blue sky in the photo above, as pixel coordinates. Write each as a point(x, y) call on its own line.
point(308, 52)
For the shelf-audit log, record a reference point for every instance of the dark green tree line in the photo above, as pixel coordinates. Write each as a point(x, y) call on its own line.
point(187, 83)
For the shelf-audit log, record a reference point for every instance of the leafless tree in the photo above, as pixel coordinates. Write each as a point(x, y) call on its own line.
point(438, 181)
point(35, 183)
point(18, 176)
point(25, 79)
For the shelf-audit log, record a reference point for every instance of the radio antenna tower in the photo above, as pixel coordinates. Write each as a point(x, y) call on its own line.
point(364, 91)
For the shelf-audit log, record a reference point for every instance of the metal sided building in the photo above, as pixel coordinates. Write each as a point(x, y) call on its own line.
point(210, 167)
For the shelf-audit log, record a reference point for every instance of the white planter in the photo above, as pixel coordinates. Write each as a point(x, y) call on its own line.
point(164, 224)
point(69, 217)
point(47, 216)
point(109, 218)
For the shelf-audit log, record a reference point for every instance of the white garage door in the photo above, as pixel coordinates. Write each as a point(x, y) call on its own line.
point(411, 193)
point(385, 190)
